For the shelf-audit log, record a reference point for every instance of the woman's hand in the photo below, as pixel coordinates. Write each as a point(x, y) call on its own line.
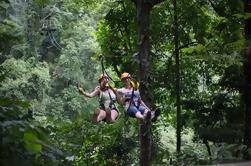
point(97, 88)
point(87, 94)
point(81, 90)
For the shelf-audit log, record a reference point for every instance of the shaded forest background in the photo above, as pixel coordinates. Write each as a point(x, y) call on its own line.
point(47, 46)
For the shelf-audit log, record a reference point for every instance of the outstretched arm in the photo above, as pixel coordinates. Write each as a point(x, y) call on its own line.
point(92, 94)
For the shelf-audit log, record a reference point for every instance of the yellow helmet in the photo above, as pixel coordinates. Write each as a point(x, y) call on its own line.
point(125, 75)
point(133, 82)
point(101, 77)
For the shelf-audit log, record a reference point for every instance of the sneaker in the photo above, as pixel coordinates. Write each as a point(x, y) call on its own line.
point(156, 114)
point(147, 116)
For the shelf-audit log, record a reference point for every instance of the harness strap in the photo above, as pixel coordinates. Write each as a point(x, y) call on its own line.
point(100, 103)
point(132, 101)
point(103, 68)
point(112, 102)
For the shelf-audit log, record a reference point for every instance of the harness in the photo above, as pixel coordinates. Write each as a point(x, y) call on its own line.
point(132, 101)
point(111, 103)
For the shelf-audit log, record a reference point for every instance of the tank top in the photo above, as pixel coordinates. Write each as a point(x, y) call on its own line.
point(127, 96)
point(105, 100)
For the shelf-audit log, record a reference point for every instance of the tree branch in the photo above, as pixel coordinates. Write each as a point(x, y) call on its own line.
point(115, 68)
point(135, 2)
point(155, 2)
point(220, 13)
point(188, 44)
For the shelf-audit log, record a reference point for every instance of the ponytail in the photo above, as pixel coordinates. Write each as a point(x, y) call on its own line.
point(134, 84)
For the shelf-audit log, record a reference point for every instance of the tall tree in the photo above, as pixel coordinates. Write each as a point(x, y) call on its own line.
point(143, 14)
point(143, 23)
point(247, 72)
point(177, 61)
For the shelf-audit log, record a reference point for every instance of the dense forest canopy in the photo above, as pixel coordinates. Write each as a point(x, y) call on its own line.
point(47, 47)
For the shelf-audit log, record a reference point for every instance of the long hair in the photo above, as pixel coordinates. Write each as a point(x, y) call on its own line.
point(134, 84)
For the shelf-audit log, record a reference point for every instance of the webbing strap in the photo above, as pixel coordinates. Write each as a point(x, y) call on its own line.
point(103, 68)
point(112, 103)
point(132, 101)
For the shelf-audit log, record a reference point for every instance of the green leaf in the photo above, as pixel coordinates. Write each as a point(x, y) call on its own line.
point(239, 15)
point(4, 5)
point(30, 144)
point(33, 147)
point(243, 16)
point(249, 151)
point(29, 137)
point(8, 102)
point(188, 50)
point(247, 16)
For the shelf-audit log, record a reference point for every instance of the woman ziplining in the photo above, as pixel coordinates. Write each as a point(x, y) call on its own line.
point(107, 110)
point(129, 97)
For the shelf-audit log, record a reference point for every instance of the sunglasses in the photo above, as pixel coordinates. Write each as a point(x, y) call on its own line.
point(126, 78)
point(105, 77)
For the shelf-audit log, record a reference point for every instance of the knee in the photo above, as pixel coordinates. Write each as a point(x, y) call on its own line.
point(114, 115)
point(138, 113)
point(97, 112)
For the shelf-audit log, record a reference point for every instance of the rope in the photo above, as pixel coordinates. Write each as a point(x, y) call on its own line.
point(103, 68)
point(104, 72)
point(54, 42)
point(51, 12)
point(50, 34)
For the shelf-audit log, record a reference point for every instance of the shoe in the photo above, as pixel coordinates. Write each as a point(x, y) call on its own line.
point(156, 114)
point(147, 116)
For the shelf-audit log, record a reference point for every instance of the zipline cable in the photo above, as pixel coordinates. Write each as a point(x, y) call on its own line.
point(54, 42)
point(103, 68)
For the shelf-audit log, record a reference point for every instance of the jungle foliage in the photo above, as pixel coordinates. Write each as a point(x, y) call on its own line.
point(49, 46)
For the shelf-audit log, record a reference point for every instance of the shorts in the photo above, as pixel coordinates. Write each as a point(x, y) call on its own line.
point(132, 110)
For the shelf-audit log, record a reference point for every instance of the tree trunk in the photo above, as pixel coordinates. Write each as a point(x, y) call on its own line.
point(208, 148)
point(143, 14)
point(143, 23)
point(145, 139)
point(177, 61)
point(247, 73)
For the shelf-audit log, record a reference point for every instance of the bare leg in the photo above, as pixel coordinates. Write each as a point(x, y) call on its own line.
point(113, 116)
point(95, 115)
point(145, 112)
point(139, 116)
point(101, 116)
point(98, 115)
